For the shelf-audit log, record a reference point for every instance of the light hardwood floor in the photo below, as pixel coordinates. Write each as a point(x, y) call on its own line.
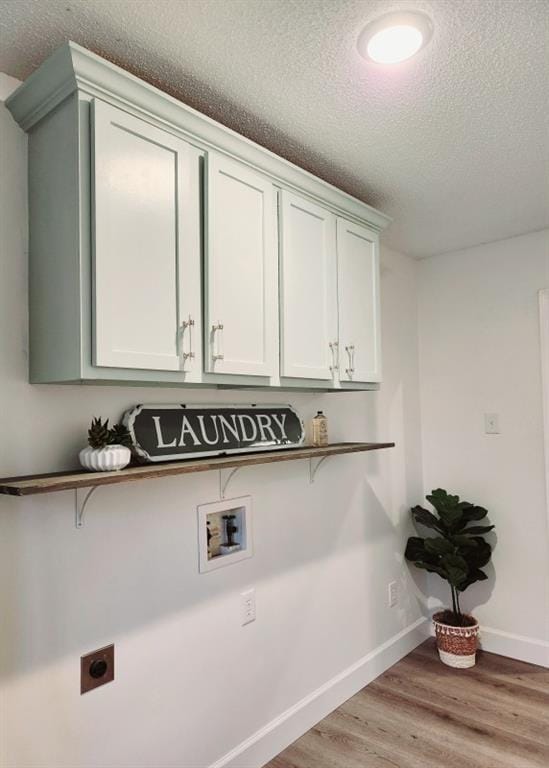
point(421, 714)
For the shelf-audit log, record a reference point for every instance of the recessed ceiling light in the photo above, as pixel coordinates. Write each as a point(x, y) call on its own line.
point(395, 37)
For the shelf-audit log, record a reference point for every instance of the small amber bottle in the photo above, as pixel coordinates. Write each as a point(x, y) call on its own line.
point(320, 429)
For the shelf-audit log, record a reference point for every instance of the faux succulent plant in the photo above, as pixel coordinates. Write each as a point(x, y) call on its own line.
point(119, 435)
point(100, 435)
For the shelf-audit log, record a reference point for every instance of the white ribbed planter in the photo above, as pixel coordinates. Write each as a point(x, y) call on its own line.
point(457, 646)
point(107, 459)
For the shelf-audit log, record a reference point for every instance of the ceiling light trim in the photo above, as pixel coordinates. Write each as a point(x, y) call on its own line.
point(415, 19)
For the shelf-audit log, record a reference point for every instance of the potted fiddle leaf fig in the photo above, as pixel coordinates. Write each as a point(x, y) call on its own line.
point(108, 449)
point(457, 554)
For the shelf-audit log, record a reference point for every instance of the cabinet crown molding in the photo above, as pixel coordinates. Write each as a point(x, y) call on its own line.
point(72, 68)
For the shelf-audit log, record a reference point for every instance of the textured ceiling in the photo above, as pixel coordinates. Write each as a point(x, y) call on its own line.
point(452, 144)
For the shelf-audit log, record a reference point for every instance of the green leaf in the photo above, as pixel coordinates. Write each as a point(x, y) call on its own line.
point(476, 575)
point(415, 549)
point(438, 546)
point(478, 529)
point(426, 518)
point(449, 508)
point(456, 568)
point(460, 540)
point(453, 560)
point(472, 513)
point(480, 555)
point(441, 499)
point(451, 517)
point(432, 569)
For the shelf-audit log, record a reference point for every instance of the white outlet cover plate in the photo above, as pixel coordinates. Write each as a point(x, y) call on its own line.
point(247, 604)
point(243, 506)
point(491, 424)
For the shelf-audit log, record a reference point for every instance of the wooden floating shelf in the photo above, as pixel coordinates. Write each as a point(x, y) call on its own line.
point(29, 485)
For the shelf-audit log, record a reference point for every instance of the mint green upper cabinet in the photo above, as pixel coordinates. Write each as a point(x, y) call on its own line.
point(308, 290)
point(358, 303)
point(240, 270)
point(140, 182)
point(165, 249)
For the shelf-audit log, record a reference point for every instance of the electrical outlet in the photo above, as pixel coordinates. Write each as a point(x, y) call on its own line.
point(247, 606)
point(392, 594)
point(491, 423)
point(96, 668)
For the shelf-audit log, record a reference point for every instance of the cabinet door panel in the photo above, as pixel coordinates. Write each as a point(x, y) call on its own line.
point(308, 289)
point(241, 270)
point(358, 301)
point(140, 178)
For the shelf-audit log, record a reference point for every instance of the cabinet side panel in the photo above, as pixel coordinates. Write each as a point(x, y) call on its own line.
point(54, 268)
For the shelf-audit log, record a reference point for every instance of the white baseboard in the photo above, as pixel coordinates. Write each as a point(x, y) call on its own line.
point(515, 646)
point(275, 736)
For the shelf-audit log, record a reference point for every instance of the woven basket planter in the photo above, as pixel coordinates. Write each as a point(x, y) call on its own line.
point(457, 646)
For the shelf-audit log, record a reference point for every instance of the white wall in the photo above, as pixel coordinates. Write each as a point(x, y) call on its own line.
point(480, 353)
point(191, 683)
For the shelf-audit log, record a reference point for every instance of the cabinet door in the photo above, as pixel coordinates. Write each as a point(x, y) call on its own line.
point(140, 185)
point(240, 270)
point(358, 303)
point(308, 287)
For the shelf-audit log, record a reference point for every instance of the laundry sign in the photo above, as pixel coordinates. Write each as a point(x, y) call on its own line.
point(170, 432)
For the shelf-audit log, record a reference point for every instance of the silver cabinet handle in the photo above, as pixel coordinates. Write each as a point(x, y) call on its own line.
point(189, 323)
point(334, 347)
point(350, 349)
point(217, 353)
